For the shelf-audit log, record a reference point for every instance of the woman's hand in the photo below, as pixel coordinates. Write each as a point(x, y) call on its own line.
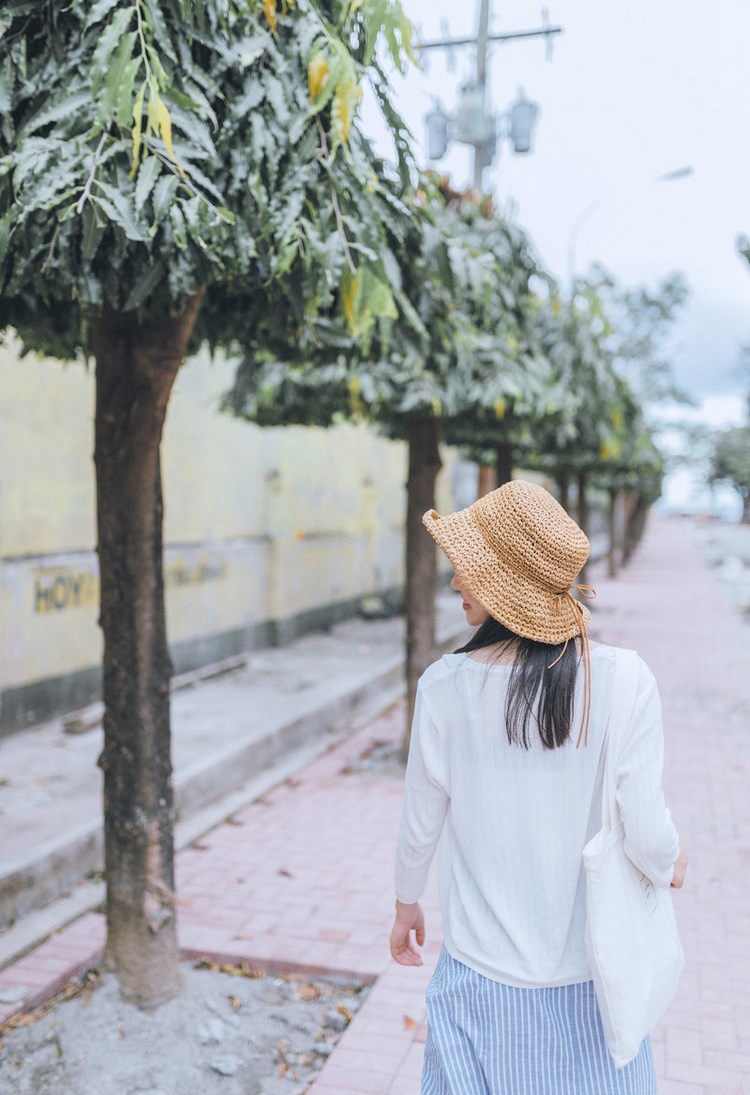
point(680, 866)
point(408, 918)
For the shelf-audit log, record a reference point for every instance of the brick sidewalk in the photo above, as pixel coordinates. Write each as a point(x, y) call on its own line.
point(302, 878)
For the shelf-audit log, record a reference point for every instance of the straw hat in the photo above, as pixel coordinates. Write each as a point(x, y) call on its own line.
point(518, 552)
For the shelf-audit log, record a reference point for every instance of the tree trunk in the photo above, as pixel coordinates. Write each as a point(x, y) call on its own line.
point(636, 524)
point(745, 518)
point(136, 365)
point(612, 533)
point(639, 521)
point(629, 538)
point(504, 453)
point(486, 481)
point(563, 487)
point(422, 435)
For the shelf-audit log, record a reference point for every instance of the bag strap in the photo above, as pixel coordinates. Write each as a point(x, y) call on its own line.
point(622, 701)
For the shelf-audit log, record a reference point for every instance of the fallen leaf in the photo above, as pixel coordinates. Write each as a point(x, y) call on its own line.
point(409, 1023)
point(308, 992)
point(235, 1001)
point(286, 874)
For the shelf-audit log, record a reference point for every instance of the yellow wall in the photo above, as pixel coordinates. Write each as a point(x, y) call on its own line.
point(259, 524)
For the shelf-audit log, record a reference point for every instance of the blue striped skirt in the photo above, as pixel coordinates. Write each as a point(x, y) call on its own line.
point(487, 1038)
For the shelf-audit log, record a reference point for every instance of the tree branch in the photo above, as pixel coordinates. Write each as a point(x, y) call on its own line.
point(90, 180)
point(184, 179)
point(335, 200)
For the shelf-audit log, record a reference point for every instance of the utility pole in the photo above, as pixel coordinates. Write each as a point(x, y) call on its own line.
point(473, 123)
point(480, 150)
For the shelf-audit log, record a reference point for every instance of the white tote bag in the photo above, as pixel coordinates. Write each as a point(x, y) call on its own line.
point(632, 941)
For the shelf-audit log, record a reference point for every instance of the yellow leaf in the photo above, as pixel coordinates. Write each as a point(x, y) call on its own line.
point(317, 74)
point(269, 7)
point(617, 418)
point(349, 297)
point(344, 101)
point(605, 452)
point(165, 125)
point(160, 121)
point(500, 408)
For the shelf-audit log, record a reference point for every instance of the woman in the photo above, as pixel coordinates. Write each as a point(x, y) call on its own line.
point(504, 776)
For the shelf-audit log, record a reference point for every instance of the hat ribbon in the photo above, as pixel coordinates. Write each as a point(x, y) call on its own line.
point(589, 592)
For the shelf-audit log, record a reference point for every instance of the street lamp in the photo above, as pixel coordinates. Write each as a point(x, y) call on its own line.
point(472, 125)
point(522, 115)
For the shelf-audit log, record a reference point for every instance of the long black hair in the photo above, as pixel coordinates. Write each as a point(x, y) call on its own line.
point(530, 678)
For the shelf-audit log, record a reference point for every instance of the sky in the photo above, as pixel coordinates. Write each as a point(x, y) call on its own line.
point(633, 91)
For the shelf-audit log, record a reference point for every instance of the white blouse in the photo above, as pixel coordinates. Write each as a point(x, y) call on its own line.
point(510, 824)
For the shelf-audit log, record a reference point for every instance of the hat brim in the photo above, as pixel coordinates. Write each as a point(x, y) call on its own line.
point(522, 605)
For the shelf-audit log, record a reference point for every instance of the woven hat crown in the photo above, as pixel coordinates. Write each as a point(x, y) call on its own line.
point(519, 553)
point(529, 529)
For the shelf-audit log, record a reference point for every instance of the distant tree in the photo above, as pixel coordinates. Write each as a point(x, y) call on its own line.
point(570, 445)
point(730, 463)
point(639, 321)
point(164, 164)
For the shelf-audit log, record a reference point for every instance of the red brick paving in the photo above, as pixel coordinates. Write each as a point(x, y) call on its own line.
point(302, 879)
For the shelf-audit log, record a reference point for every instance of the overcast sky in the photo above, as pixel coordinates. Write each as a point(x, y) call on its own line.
point(634, 89)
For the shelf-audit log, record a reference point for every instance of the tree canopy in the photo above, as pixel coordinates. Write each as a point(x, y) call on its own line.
point(454, 346)
point(151, 148)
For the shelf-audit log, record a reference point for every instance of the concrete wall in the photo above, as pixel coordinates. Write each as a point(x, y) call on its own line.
point(268, 532)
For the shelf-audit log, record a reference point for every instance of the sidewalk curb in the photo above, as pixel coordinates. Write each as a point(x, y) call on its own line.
point(34, 887)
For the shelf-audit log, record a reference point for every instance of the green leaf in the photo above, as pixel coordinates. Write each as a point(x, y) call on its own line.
point(116, 94)
point(119, 210)
point(70, 106)
point(6, 83)
point(92, 232)
point(164, 194)
point(148, 173)
point(109, 40)
point(98, 12)
point(148, 280)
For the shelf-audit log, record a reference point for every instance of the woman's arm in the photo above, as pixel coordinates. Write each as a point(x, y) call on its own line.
point(651, 840)
point(422, 818)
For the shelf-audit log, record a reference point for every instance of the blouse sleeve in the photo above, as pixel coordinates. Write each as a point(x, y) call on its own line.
point(651, 841)
point(424, 808)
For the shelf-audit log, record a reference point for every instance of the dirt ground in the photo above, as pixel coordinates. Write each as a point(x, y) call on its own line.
point(228, 1033)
